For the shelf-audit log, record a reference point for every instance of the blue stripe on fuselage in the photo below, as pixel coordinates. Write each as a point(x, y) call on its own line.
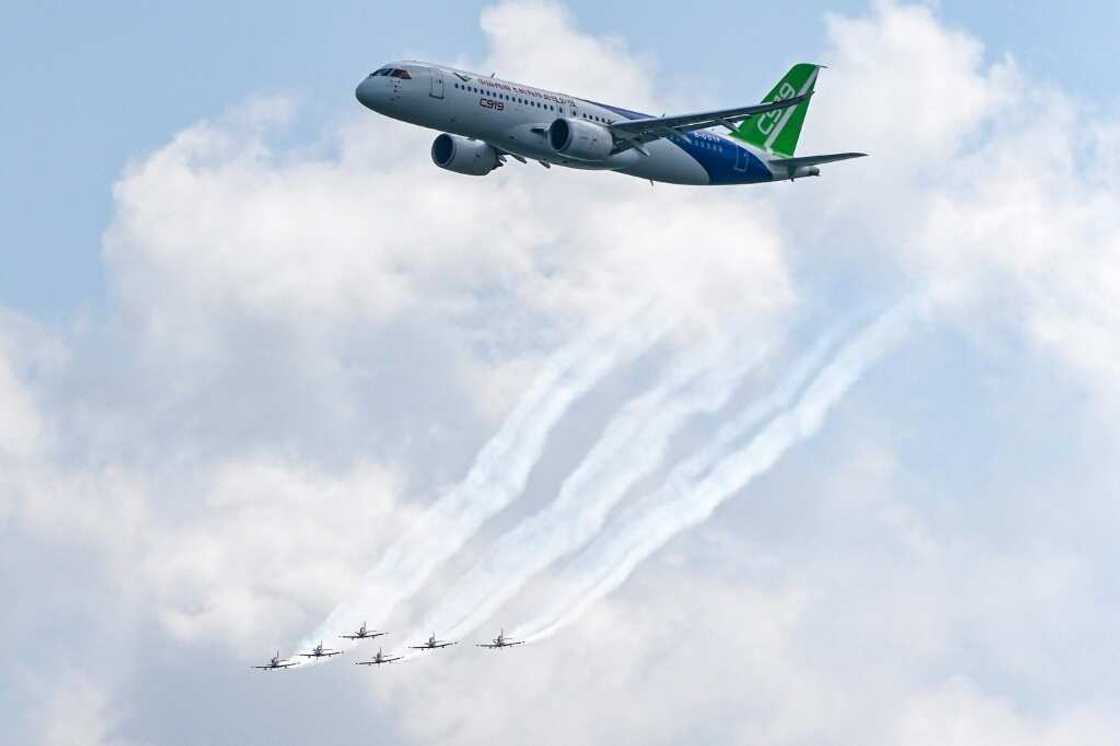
point(725, 161)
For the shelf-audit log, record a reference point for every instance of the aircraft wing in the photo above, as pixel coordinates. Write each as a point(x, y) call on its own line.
point(654, 128)
point(487, 645)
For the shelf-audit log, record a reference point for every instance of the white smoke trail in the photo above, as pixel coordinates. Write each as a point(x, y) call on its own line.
point(498, 474)
point(632, 446)
point(686, 501)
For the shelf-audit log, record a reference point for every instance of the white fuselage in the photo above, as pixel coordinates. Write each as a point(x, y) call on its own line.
point(515, 119)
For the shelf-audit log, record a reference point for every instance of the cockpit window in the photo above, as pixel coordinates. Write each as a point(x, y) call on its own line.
point(393, 72)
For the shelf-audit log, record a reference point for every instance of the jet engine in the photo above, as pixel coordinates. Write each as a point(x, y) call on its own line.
point(464, 156)
point(585, 141)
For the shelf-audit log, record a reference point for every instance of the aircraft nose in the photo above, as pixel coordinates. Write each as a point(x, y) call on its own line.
point(366, 93)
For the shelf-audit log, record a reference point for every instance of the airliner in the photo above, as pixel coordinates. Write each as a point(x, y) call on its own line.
point(485, 120)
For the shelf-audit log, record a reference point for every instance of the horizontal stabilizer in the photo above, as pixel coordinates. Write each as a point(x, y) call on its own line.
point(793, 164)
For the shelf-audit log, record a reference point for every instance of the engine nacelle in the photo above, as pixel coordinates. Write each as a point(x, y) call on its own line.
point(464, 156)
point(803, 171)
point(585, 141)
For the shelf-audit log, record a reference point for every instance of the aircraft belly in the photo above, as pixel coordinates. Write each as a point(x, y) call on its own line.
point(667, 163)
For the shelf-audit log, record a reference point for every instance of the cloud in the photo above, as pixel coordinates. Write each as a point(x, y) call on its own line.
point(21, 427)
point(1039, 233)
point(992, 192)
point(958, 712)
point(76, 711)
point(273, 542)
point(907, 86)
point(541, 41)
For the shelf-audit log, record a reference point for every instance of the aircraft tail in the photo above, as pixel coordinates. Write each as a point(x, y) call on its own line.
point(777, 131)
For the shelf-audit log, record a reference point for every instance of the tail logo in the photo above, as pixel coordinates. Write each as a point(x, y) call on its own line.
point(768, 120)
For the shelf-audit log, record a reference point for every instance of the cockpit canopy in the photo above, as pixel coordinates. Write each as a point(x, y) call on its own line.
point(392, 72)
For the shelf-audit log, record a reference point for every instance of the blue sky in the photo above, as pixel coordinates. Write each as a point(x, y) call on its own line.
point(89, 87)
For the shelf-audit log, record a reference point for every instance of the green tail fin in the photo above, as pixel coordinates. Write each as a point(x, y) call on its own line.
point(777, 131)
